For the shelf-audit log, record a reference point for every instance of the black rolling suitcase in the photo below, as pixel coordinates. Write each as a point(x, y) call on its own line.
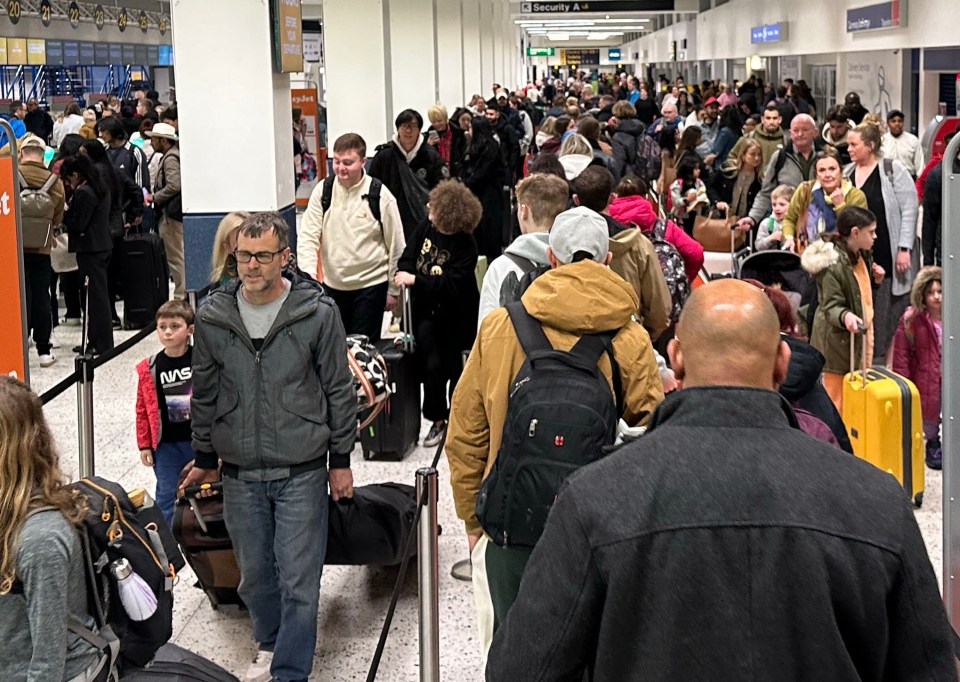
point(144, 279)
point(396, 429)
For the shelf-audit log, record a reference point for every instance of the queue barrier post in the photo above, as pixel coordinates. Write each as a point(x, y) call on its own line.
point(84, 370)
point(428, 572)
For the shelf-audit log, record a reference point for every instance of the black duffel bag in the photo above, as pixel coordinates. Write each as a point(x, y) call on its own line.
point(372, 526)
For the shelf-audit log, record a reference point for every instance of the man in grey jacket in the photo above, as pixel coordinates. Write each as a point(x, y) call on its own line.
point(272, 396)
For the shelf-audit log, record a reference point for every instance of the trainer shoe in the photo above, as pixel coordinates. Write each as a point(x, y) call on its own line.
point(47, 360)
point(435, 434)
point(934, 454)
point(259, 670)
point(70, 322)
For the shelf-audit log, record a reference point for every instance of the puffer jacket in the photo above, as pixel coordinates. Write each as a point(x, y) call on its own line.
point(838, 293)
point(287, 404)
point(637, 210)
point(570, 300)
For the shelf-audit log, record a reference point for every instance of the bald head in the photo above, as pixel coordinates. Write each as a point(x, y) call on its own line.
point(729, 335)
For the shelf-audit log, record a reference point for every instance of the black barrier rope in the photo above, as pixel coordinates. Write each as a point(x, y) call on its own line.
point(74, 376)
point(421, 501)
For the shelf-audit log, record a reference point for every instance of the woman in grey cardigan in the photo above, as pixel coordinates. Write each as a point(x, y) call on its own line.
point(42, 579)
point(892, 197)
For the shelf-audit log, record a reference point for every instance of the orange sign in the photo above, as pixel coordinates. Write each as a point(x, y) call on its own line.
point(306, 100)
point(13, 347)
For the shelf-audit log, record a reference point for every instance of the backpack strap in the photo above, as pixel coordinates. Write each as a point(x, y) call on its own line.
point(525, 264)
point(327, 196)
point(373, 199)
point(528, 328)
point(590, 347)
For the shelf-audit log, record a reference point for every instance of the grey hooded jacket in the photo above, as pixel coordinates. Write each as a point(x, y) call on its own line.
point(285, 405)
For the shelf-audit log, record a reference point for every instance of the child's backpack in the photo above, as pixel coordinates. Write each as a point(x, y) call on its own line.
point(512, 286)
point(671, 262)
point(546, 435)
point(116, 529)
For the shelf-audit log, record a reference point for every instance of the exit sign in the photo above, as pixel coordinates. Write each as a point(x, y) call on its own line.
point(539, 51)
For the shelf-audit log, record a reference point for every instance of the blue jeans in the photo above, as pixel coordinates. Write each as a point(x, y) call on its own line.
point(168, 462)
point(279, 532)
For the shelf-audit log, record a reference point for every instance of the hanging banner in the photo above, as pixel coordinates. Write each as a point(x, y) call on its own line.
point(13, 343)
point(73, 13)
point(122, 19)
point(143, 22)
point(163, 25)
point(46, 12)
point(99, 17)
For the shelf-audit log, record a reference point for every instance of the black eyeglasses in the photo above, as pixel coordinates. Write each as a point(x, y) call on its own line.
point(263, 257)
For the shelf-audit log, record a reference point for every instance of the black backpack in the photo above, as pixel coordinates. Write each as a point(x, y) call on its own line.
point(512, 287)
point(372, 197)
point(546, 434)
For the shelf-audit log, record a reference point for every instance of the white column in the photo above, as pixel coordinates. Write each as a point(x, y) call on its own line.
point(499, 69)
point(357, 60)
point(413, 58)
point(451, 53)
point(488, 74)
point(472, 65)
point(209, 144)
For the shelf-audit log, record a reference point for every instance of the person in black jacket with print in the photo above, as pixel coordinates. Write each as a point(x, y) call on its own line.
point(438, 264)
point(409, 168)
point(88, 233)
point(725, 544)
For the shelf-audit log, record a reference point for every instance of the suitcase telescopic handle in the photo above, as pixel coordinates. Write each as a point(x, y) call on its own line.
point(406, 320)
point(863, 352)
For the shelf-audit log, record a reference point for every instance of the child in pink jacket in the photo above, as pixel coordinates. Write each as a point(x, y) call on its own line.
point(164, 388)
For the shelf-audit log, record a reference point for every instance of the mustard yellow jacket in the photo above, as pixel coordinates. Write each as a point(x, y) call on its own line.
point(569, 301)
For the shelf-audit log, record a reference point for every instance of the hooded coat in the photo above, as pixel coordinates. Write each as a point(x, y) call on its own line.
point(838, 293)
point(917, 349)
point(569, 301)
point(531, 246)
point(426, 163)
point(635, 259)
point(637, 210)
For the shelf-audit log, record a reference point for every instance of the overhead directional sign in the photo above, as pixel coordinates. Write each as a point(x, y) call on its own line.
point(539, 51)
point(599, 6)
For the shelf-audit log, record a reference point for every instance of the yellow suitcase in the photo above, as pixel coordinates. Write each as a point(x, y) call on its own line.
point(881, 410)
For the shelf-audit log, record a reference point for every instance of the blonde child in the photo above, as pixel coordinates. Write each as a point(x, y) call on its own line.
point(917, 346)
point(843, 267)
point(164, 388)
point(770, 230)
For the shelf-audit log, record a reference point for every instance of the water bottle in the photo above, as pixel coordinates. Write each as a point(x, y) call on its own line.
point(137, 598)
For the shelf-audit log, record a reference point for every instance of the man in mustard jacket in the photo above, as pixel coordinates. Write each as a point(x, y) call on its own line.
point(579, 295)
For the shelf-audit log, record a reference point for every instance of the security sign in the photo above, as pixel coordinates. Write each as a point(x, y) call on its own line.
point(13, 342)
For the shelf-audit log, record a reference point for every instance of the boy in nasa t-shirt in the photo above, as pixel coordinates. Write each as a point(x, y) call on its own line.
point(165, 384)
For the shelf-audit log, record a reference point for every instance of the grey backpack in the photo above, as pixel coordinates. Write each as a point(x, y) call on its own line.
point(36, 212)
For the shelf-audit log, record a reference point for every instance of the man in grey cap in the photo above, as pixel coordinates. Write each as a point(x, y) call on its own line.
point(578, 296)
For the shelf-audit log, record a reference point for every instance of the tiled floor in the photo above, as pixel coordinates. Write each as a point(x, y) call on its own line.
point(353, 601)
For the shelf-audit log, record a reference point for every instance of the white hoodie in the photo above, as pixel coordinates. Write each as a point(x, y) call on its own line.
point(532, 246)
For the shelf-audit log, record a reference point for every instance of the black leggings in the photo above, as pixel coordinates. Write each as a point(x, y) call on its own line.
point(361, 310)
point(439, 362)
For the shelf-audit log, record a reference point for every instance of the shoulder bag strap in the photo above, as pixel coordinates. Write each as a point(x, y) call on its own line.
point(528, 328)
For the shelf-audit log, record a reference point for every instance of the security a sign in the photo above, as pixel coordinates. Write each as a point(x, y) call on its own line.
point(599, 6)
point(13, 342)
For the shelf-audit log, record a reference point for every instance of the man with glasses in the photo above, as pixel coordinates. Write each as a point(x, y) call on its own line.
point(346, 245)
point(790, 165)
point(273, 400)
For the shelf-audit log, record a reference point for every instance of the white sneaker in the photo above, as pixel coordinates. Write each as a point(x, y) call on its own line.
point(259, 670)
point(47, 360)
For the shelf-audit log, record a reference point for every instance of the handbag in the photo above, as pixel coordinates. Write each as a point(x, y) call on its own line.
point(713, 232)
point(61, 260)
point(369, 377)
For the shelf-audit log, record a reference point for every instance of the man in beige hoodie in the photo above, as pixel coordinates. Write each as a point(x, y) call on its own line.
point(346, 247)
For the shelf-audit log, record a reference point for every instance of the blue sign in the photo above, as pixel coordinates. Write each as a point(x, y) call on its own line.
point(874, 17)
point(769, 33)
point(613, 54)
point(165, 56)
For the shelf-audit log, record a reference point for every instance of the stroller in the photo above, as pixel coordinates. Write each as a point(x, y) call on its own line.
point(781, 269)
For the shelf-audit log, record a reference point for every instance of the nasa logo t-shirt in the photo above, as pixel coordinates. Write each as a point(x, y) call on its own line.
point(174, 389)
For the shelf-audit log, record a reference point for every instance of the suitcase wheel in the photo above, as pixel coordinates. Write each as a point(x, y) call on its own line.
point(367, 454)
point(918, 499)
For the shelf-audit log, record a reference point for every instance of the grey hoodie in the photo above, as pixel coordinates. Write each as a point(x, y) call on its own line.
point(532, 246)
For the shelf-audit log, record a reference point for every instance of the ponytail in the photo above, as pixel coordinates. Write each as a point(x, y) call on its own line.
point(848, 218)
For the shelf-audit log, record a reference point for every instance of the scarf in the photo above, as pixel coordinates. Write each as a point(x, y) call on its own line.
point(826, 211)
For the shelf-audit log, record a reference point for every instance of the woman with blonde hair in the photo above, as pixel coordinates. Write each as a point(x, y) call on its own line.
point(575, 155)
point(223, 264)
point(737, 184)
point(42, 580)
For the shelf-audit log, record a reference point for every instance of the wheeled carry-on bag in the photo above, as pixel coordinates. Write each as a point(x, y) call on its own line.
point(174, 664)
point(199, 527)
point(144, 279)
point(881, 410)
point(396, 429)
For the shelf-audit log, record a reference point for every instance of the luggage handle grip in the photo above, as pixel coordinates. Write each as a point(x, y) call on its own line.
point(191, 491)
point(863, 353)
